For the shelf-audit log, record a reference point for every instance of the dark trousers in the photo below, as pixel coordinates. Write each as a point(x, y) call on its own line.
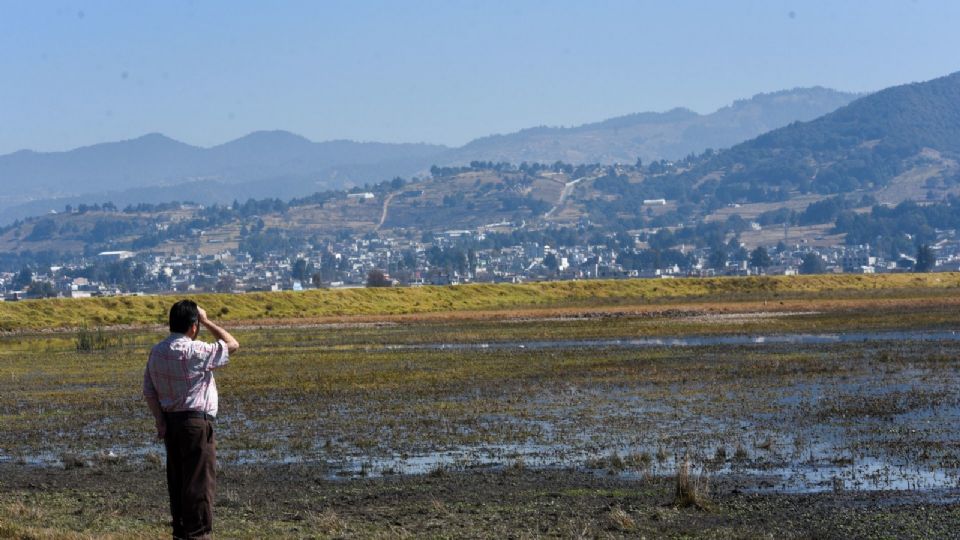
point(191, 474)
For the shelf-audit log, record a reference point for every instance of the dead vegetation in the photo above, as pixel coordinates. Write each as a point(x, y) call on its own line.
point(691, 490)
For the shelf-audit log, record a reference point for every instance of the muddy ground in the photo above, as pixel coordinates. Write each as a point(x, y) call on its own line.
point(293, 501)
point(546, 426)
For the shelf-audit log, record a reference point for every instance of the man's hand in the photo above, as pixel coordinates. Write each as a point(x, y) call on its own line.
point(161, 429)
point(218, 333)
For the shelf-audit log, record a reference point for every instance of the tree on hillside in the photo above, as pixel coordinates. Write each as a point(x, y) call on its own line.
point(718, 257)
point(225, 284)
point(376, 278)
point(550, 262)
point(45, 229)
point(23, 279)
point(926, 260)
point(759, 258)
point(302, 270)
point(42, 289)
point(812, 264)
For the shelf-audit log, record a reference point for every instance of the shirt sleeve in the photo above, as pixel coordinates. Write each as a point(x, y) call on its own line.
point(213, 355)
point(149, 391)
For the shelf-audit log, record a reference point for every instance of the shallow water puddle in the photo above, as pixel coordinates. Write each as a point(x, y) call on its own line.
point(866, 475)
point(861, 475)
point(780, 413)
point(789, 339)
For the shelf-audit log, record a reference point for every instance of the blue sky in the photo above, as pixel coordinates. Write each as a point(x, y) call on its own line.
point(205, 72)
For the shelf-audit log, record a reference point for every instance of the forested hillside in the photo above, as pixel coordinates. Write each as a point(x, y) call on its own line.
point(863, 145)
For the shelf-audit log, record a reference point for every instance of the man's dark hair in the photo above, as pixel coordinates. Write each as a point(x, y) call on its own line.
point(183, 315)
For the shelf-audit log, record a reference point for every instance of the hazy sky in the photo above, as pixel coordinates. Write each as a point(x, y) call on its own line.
point(204, 72)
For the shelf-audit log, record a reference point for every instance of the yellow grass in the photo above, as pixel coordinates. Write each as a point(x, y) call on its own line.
point(66, 313)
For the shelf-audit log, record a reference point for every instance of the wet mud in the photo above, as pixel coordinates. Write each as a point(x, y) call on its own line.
point(784, 430)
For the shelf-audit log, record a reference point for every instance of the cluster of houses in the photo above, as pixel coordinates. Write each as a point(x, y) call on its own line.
point(349, 263)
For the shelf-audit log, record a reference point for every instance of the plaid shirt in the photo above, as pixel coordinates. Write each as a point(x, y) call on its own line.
point(179, 374)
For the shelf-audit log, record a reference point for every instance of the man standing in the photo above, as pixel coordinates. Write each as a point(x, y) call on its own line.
point(179, 388)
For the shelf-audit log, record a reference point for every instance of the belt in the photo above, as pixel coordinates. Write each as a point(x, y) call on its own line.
point(183, 415)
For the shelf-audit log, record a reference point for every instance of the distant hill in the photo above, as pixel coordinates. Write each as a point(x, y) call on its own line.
point(266, 163)
point(155, 159)
point(899, 135)
point(874, 171)
point(283, 165)
point(455, 198)
point(670, 135)
point(882, 170)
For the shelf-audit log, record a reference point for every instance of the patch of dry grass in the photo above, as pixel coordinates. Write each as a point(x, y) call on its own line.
point(620, 520)
point(691, 490)
point(327, 522)
point(72, 313)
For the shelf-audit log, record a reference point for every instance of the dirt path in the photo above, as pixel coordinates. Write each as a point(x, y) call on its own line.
point(567, 190)
point(383, 214)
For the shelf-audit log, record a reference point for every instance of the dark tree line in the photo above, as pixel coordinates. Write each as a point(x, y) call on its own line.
point(887, 228)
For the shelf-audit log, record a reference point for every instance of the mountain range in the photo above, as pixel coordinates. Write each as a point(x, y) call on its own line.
point(883, 169)
point(652, 136)
point(284, 165)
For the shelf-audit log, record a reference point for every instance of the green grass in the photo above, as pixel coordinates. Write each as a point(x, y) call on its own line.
point(70, 313)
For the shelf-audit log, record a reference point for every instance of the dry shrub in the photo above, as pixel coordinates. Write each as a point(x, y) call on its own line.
point(691, 490)
point(24, 511)
point(620, 520)
point(639, 460)
point(741, 454)
point(615, 462)
point(328, 522)
point(154, 459)
point(438, 506)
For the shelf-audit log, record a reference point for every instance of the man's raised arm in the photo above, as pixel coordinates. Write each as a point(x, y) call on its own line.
point(218, 332)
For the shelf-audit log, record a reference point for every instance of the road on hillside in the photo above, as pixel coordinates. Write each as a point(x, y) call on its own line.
point(383, 214)
point(567, 190)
